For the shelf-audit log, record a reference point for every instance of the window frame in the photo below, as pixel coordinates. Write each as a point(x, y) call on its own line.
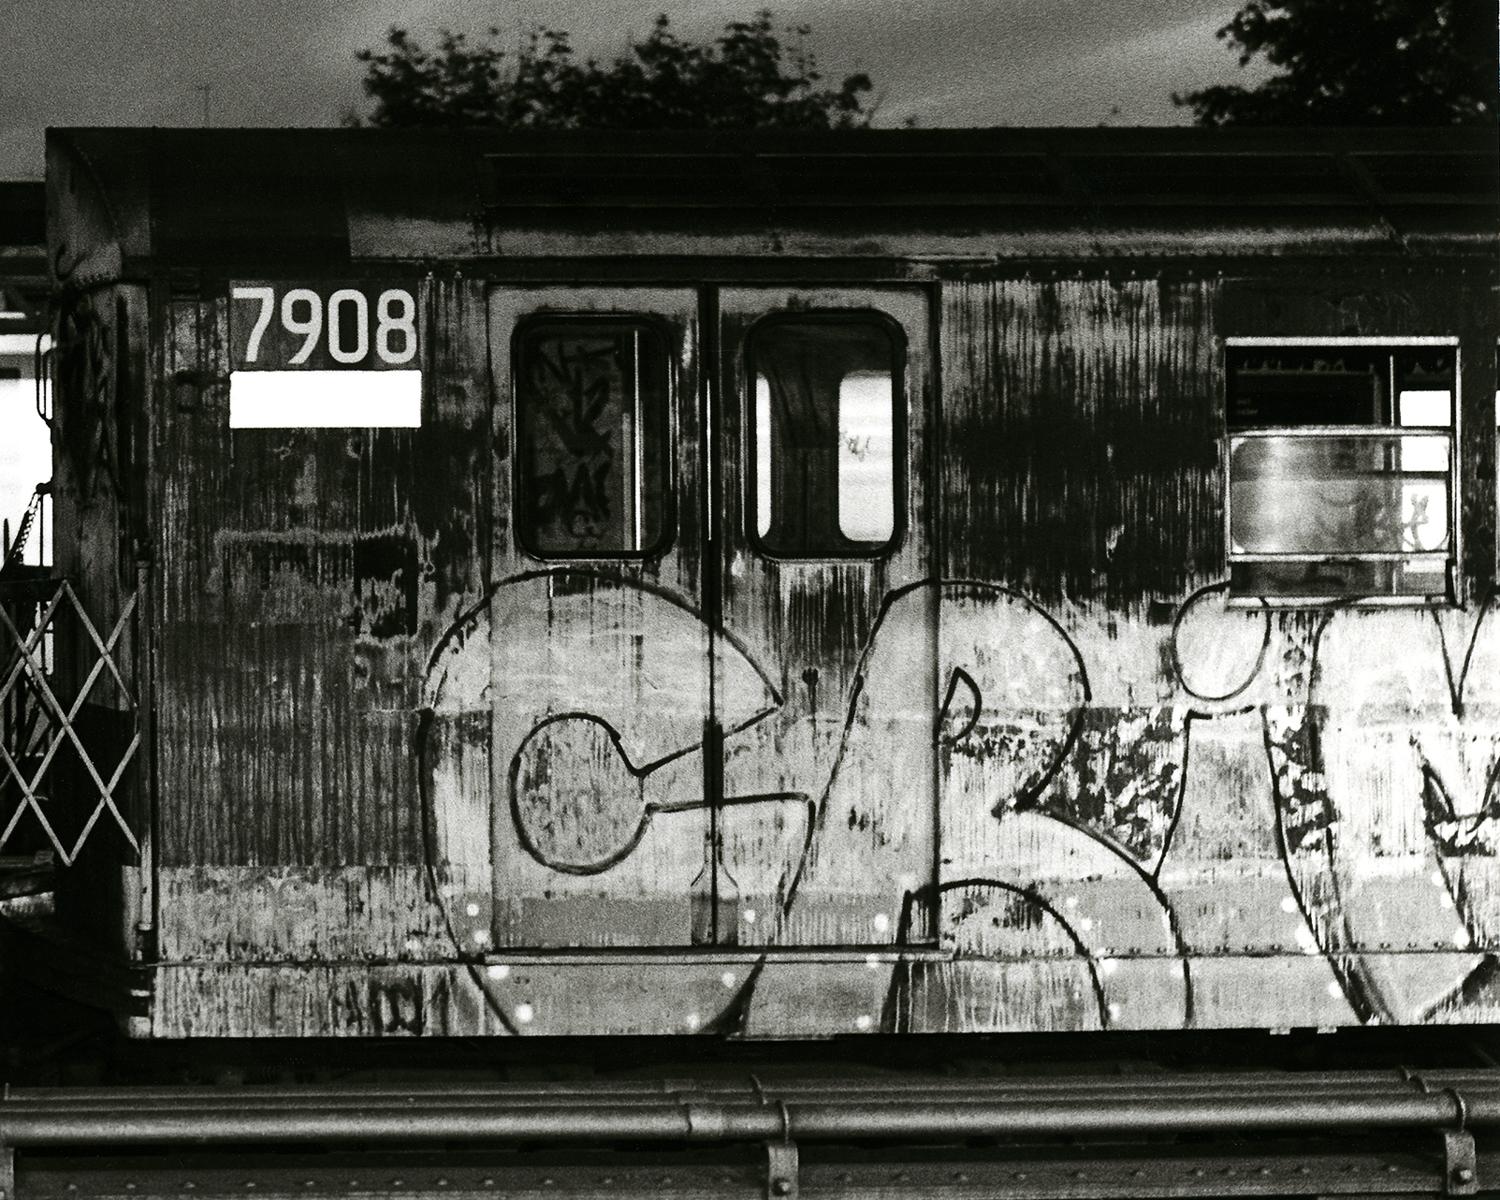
point(520, 471)
point(1451, 557)
point(900, 449)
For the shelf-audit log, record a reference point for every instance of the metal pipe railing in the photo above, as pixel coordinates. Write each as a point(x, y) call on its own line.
point(401, 1100)
point(874, 1089)
point(691, 1115)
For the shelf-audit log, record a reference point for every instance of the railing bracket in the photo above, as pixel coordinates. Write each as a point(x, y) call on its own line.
point(1460, 1164)
point(781, 1170)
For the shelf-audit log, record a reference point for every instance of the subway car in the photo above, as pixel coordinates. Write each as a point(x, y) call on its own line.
point(770, 586)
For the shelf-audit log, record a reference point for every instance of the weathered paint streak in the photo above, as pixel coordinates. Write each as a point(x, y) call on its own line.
point(305, 576)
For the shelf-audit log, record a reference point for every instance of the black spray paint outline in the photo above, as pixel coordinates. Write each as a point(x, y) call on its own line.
point(469, 961)
point(1345, 959)
point(1176, 658)
point(1456, 688)
point(789, 886)
point(1489, 809)
point(462, 626)
point(818, 809)
point(649, 808)
point(930, 896)
point(1344, 963)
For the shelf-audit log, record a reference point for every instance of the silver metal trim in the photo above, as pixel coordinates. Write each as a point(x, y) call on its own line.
point(1421, 340)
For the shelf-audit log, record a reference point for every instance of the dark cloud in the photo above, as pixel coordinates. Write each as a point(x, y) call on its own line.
point(285, 62)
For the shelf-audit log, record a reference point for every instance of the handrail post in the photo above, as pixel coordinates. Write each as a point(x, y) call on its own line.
point(782, 1182)
point(1460, 1162)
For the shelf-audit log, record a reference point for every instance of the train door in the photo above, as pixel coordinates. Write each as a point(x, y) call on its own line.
point(597, 682)
point(826, 820)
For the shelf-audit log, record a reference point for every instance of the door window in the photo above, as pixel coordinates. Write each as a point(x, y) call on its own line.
point(825, 468)
point(592, 405)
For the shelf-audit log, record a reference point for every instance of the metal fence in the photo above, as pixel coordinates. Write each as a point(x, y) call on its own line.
point(63, 770)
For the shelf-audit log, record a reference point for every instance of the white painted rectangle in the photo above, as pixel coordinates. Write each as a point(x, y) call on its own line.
point(325, 399)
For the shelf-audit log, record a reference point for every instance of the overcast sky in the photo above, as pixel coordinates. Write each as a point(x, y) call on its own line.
point(291, 62)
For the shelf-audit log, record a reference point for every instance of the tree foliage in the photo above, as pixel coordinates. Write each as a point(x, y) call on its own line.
point(1359, 62)
point(746, 78)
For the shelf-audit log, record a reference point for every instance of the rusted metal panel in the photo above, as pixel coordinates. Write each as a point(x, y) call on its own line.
point(301, 914)
point(1082, 421)
point(305, 576)
point(343, 1000)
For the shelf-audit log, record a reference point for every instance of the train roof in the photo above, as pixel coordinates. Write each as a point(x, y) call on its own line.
point(232, 198)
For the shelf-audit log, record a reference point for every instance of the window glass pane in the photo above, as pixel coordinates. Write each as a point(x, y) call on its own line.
point(1361, 510)
point(762, 455)
point(592, 399)
point(867, 469)
point(1326, 579)
point(1426, 407)
point(1293, 385)
point(825, 421)
point(1338, 494)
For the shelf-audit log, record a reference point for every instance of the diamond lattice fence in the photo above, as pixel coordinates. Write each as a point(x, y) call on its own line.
point(49, 744)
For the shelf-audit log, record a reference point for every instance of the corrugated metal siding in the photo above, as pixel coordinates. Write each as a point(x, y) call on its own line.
point(305, 576)
point(1082, 421)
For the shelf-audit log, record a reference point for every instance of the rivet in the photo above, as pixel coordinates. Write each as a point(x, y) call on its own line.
point(781, 1187)
point(1464, 1174)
